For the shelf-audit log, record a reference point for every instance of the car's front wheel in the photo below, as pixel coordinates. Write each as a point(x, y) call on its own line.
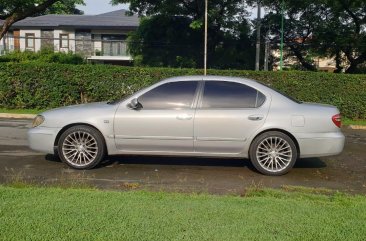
point(81, 147)
point(273, 153)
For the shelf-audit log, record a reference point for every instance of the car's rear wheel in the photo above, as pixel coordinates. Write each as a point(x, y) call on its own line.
point(273, 153)
point(81, 147)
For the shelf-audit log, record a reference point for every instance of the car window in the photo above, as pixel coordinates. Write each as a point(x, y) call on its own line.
point(224, 94)
point(173, 95)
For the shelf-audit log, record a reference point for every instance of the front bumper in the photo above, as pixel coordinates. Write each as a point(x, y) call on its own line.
point(320, 144)
point(42, 139)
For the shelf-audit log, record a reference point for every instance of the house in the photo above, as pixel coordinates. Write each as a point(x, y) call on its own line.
point(98, 38)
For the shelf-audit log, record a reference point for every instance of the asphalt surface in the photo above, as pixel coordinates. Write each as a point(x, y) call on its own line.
point(345, 172)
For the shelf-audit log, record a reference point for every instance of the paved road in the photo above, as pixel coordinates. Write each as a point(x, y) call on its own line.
point(346, 172)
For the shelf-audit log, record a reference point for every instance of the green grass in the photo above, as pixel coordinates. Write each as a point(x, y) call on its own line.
point(348, 122)
point(20, 111)
point(32, 213)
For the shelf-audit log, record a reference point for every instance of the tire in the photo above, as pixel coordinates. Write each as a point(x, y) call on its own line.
point(273, 153)
point(81, 147)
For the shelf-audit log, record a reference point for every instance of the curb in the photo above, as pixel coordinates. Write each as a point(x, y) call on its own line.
point(357, 127)
point(17, 116)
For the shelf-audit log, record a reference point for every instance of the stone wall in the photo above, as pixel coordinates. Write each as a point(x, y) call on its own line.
point(83, 43)
point(47, 41)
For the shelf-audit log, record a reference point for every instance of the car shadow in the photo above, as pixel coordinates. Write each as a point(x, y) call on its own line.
point(52, 158)
point(179, 161)
point(202, 161)
point(191, 161)
point(314, 162)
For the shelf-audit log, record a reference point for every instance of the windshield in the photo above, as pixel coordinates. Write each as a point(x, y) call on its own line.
point(116, 101)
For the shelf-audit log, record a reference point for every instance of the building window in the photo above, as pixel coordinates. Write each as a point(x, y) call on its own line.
point(114, 45)
point(64, 41)
point(29, 40)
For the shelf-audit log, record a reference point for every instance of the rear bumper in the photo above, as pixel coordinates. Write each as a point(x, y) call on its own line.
point(320, 144)
point(42, 139)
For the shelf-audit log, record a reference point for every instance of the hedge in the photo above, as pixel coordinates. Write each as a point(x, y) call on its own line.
point(40, 86)
point(41, 57)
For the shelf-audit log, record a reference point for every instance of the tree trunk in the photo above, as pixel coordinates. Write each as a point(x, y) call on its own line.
point(338, 60)
point(17, 16)
point(355, 62)
point(6, 25)
point(301, 59)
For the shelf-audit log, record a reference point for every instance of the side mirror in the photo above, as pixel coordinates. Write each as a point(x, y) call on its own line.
point(135, 104)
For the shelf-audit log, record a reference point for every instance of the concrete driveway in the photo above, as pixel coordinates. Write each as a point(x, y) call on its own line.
point(346, 172)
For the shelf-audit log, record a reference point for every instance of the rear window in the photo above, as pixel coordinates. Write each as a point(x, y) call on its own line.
point(224, 94)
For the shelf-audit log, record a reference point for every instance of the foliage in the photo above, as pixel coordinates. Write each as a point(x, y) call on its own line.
point(333, 28)
point(166, 41)
point(171, 34)
point(9, 7)
point(12, 11)
point(65, 7)
point(41, 86)
point(343, 33)
point(43, 56)
point(31, 213)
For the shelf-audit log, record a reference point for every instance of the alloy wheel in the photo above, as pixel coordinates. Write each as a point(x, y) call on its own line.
point(80, 148)
point(274, 154)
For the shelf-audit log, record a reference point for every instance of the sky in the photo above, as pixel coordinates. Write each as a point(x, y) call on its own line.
point(103, 6)
point(100, 6)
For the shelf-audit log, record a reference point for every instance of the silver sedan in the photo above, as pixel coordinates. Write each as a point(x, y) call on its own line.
point(208, 116)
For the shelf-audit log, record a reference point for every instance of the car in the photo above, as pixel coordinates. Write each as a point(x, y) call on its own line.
point(198, 116)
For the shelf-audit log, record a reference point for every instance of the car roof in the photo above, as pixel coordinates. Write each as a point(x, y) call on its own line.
point(249, 82)
point(209, 77)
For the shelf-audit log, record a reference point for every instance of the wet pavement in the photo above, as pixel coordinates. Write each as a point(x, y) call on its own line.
point(345, 172)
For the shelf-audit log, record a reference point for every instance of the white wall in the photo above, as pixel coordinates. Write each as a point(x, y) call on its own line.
point(37, 41)
point(9, 42)
point(56, 35)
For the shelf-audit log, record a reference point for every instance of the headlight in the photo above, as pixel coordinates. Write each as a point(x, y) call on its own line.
point(37, 121)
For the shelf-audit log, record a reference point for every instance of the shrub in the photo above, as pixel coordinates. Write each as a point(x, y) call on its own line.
point(34, 85)
point(43, 56)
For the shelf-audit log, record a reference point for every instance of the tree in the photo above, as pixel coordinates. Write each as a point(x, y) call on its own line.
point(301, 19)
point(64, 7)
point(335, 28)
point(12, 11)
point(165, 41)
point(343, 33)
point(229, 42)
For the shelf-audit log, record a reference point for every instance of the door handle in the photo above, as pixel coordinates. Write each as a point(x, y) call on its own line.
point(255, 117)
point(184, 117)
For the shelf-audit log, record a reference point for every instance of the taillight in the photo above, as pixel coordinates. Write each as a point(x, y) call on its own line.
point(337, 120)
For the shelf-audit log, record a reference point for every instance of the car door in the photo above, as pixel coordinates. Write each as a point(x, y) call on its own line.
point(164, 123)
point(227, 114)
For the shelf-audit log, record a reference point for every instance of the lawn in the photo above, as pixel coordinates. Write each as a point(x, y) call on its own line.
point(32, 213)
point(20, 111)
point(347, 122)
